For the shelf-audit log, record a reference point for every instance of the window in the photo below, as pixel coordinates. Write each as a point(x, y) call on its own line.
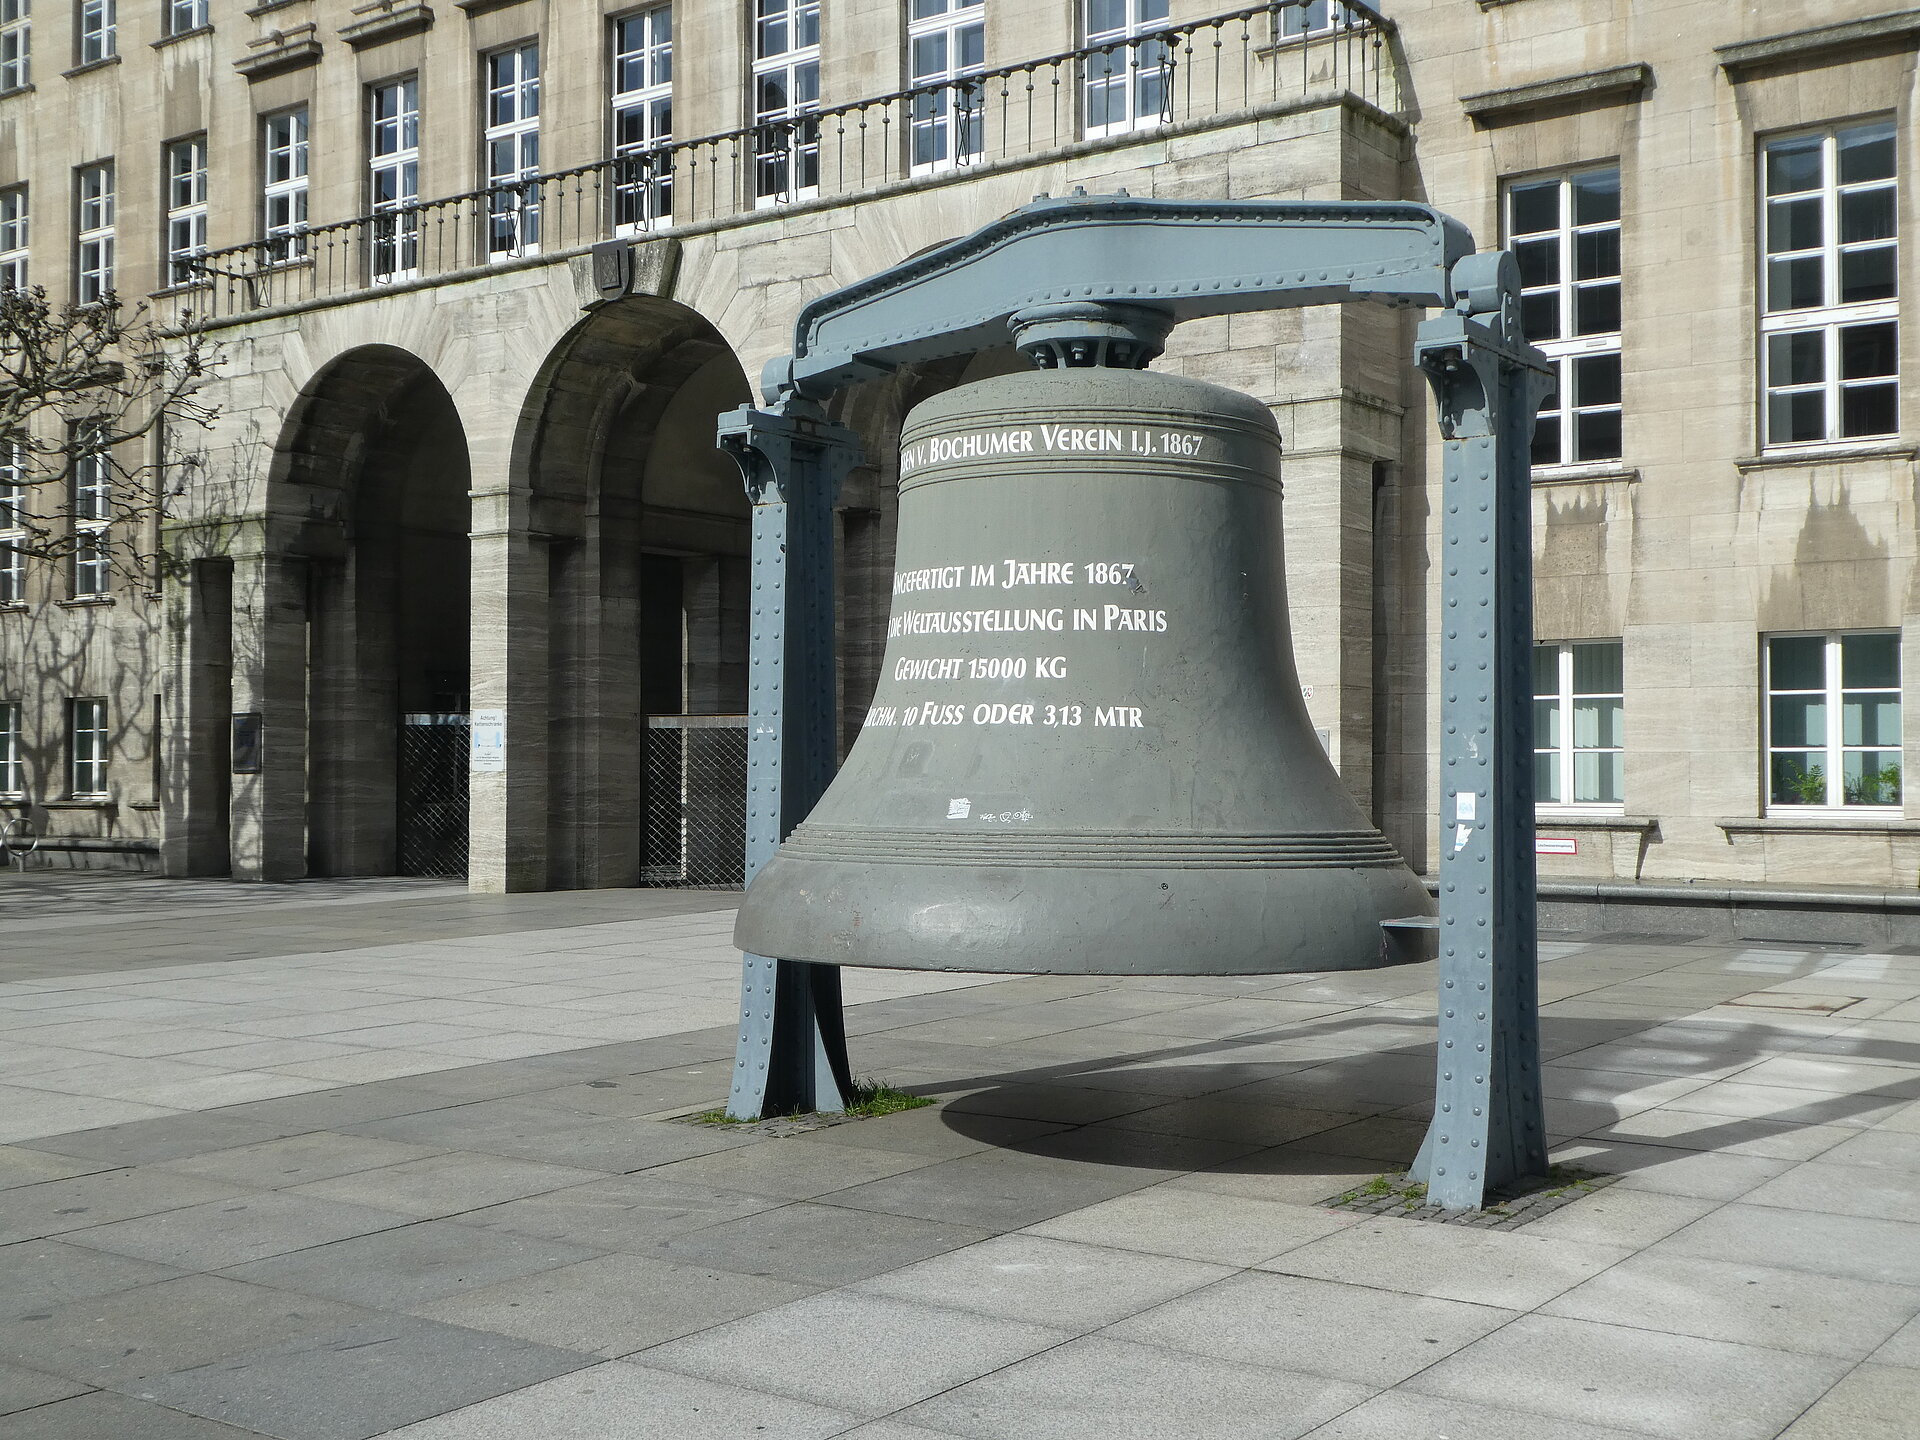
point(186, 15)
point(1128, 81)
point(16, 44)
point(786, 93)
point(946, 40)
point(284, 188)
point(1565, 232)
point(92, 511)
point(1811, 679)
point(1831, 289)
point(93, 244)
point(1578, 707)
point(394, 185)
point(186, 209)
point(13, 770)
point(99, 38)
point(642, 119)
point(1314, 17)
point(13, 238)
point(513, 151)
point(13, 501)
point(87, 743)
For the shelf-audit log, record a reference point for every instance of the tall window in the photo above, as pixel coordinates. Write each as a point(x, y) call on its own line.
point(786, 95)
point(1833, 719)
point(1578, 708)
point(284, 187)
point(98, 30)
point(186, 15)
point(13, 500)
point(186, 208)
point(13, 770)
point(394, 184)
point(642, 118)
point(1128, 81)
point(93, 242)
point(92, 511)
point(87, 746)
point(16, 44)
point(1832, 293)
point(1314, 17)
point(513, 150)
point(946, 41)
point(13, 238)
point(1565, 232)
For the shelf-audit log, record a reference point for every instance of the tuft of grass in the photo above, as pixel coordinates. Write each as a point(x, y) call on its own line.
point(870, 1098)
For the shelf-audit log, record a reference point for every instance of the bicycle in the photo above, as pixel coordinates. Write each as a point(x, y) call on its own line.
point(19, 838)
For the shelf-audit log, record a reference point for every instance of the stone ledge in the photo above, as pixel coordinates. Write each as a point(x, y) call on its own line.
point(196, 32)
point(482, 7)
point(279, 51)
point(1823, 45)
point(1626, 824)
point(1586, 474)
point(1826, 455)
point(1818, 825)
point(80, 804)
point(83, 602)
point(16, 90)
point(385, 20)
point(1618, 85)
point(91, 66)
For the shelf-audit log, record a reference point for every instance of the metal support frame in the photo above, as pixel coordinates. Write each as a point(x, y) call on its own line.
point(1098, 280)
point(793, 1041)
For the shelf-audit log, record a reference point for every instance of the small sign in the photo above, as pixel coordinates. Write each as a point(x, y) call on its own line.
point(489, 742)
point(1461, 834)
point(1555, 845)
point(1464, 804)
point(247, 733)
point(959, 809)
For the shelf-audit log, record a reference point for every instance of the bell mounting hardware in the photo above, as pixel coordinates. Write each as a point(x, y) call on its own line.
point(1227, 877)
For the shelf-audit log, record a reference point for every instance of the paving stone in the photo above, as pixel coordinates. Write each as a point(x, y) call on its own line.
point(619, 1146)
point(816, 1244)
point(1706, 1175)
point(1833, 1189)
point(1450, 1262)
point(1195, 1224)
point(613, 1305)
point(1633, 1379)
point(1100, 1389)
point(298, 1159)
point(926, 1132)
point(23, 1389)
point(1747, 1303)
point(413, 1264)
point(1043, 1281)
point(789, 1171)
point(1618, 1215)
point(1849, 1246)
point(57, 1206)
point(103, 1415)
point(634, 1213)
point(133, 1335)
point(1346, 1332)
point(1873, 1402)
point(331, 1109)
point(1295, 1174)
point(446, 1184)
point(361, 1380)
point(1882, 1149)
point(622, 1401)
point(1221, 1118)
point(20, 1165)
point(1400, 1414)
point(143, 1142)
point(862, 1353)
point(228, 1232)
point(37, 1274)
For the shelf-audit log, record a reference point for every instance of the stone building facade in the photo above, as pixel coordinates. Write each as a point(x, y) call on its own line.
point(451, 477)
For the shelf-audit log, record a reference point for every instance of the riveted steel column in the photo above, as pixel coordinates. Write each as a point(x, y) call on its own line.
point(1489, 1127)
point(792, 1052)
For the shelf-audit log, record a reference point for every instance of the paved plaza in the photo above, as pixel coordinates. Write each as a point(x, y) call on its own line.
point(354, 1159)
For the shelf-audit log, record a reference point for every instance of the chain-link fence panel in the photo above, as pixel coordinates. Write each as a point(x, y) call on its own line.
point(694, 819)
point(433, 796)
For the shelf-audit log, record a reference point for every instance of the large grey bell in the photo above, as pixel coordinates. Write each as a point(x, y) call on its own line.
point(1088, 752)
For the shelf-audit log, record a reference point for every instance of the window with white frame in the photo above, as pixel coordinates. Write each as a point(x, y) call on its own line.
point(1128, 80)
point(394, 179)
point(91, 508)
point(16, 44)
point(93, 240)
point(1833, 719)
point(284, 186)
point(513, 151)
point(786, 96)
point(186, 15)
point(186, 209)
point(1829, 327)
point(946, 42)
point(13, 238)
point(642, 119)
point(1565, 232)
point(13, 768)
point(98, 30)
point(87, 747)
point(13, 536)
point(1314, 17)
point(1579, 709)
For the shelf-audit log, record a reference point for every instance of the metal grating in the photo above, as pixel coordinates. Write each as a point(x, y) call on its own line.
point(694, 818)
point(433, 796)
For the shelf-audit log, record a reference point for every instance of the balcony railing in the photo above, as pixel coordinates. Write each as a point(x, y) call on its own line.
point(1194, 73)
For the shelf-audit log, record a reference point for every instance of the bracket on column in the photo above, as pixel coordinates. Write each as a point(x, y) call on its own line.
point(792, 1053)
point(1489, 1122)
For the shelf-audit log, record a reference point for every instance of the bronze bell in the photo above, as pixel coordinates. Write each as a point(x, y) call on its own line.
point(1088, 752)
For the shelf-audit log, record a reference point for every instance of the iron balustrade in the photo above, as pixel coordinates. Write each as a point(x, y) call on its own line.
point(1195, 72)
